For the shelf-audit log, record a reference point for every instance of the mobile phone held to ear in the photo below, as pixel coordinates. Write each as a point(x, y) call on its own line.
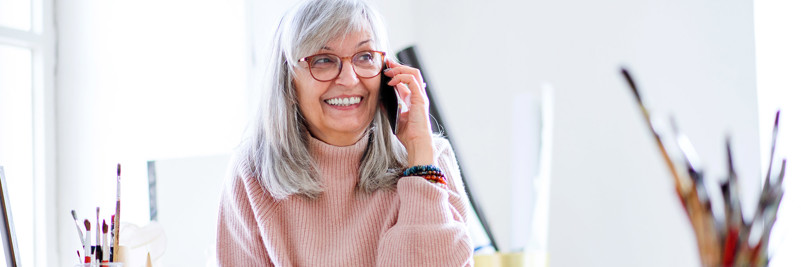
point(389, 100)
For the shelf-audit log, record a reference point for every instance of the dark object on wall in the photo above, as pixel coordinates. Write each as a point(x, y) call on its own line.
point(409, 57)
point(7, 233)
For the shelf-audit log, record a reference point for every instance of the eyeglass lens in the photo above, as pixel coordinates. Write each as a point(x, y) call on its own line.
point(326, 67)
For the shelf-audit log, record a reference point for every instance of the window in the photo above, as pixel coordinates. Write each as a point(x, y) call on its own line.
point(16, 141)
point(15, 14)
point(26, 78)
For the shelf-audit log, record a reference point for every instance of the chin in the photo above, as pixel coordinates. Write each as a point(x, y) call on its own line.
point(349, 126)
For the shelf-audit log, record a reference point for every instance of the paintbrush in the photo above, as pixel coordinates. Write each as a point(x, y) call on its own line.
point(682, 185)
point(731, 235)
point(780, 178)
point(767, 187)
point(111, 242)
point(78, 227)
point(736, 220)
point(87, 254)
point(694, 169)
point(711, 231)
point(770, 210)
point(105, 250)
point(734, 190)
point(117, 218)
point(693, 206)
point(773, 143)
point(733, 211)
point(766, 196)
point(97, 235)
point(767, 208)
point(693, 164)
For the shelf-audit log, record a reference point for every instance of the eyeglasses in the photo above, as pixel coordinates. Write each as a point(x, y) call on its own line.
point(327, 67)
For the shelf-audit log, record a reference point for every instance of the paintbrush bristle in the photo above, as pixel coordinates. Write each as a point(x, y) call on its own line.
point(729, 155)
point(105, 227)
point(633, 86)
point(776, 122)
point(781, 173)
point(118, 169)
point(74, 216)
point(87, 224)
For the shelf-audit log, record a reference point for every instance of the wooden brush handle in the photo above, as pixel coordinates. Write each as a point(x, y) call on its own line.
point(116, 233)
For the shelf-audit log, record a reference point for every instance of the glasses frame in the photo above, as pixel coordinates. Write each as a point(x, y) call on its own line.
point(342, 62)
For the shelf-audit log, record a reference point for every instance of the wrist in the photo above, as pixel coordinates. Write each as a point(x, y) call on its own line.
point(420, 155)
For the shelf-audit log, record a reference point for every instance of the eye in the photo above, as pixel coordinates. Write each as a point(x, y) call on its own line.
point(323, 61)
point(364, 58)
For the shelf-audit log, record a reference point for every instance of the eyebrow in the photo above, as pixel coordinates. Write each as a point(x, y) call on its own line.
point(358, 45)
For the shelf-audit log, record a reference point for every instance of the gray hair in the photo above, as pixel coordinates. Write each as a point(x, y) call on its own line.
point(275, 149)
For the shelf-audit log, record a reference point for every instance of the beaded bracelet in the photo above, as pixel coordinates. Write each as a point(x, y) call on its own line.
point(429, 172)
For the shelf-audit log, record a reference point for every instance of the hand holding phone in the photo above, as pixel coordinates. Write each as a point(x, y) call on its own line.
point(413, 126)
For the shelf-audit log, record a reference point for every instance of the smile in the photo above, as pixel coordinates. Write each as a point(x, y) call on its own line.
point(344, 101)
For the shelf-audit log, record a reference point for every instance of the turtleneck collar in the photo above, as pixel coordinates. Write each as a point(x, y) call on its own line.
point(339, 165)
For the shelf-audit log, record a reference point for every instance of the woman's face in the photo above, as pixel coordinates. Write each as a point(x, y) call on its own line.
point(329, 108)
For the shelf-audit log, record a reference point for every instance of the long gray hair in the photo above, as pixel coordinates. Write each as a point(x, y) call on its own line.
point(275, 149)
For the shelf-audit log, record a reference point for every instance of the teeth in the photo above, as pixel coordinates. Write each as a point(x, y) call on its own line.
point(347, 101)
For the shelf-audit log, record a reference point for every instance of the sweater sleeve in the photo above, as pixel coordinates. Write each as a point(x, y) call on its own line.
point(239, 241)
point(431, 226)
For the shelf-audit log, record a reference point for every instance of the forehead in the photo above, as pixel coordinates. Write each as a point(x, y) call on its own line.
point(350, 41)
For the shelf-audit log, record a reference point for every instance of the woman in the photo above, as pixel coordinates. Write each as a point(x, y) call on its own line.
point(320, 180)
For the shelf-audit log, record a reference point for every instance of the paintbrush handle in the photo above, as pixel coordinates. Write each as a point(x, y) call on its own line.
point(80, 233)
point(97, 231)
point(116, 222)
point(116, 232)
point(683, 184)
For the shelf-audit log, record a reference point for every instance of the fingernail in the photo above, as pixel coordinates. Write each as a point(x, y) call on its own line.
point(387, 69)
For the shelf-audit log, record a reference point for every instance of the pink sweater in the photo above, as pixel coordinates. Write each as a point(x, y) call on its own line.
point(417, 224)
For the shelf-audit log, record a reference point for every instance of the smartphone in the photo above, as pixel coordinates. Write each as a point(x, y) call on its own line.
point(389, 100)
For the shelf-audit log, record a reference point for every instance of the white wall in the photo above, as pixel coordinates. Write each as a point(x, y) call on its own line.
point(137, 81)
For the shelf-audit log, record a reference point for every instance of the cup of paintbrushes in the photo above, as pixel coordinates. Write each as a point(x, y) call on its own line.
point(727, 239)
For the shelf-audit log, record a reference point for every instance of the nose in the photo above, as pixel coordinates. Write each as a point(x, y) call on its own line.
point(347, 76)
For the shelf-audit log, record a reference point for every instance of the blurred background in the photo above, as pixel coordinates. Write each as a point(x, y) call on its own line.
point(87, 84)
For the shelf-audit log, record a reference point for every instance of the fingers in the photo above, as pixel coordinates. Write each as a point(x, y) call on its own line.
point(396, 68)
point(414, 89)
point(409, 89)
point(393, 64)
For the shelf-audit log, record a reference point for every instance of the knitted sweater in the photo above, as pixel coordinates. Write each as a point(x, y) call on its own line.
point(416, 224)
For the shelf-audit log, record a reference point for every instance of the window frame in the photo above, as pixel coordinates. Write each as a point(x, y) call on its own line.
point(41, 40)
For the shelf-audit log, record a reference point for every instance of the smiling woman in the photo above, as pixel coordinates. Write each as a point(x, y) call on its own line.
point(320, 166)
